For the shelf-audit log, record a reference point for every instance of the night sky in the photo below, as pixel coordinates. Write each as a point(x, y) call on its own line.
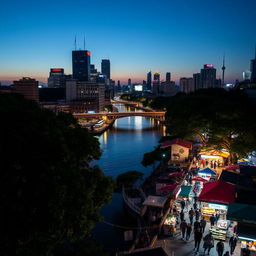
point(136, 35)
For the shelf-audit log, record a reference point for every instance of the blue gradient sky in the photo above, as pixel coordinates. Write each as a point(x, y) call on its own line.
point(136, 35)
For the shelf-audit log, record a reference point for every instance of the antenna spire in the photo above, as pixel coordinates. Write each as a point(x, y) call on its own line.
point(223, 71)
point(84, 43)
point(75, 42)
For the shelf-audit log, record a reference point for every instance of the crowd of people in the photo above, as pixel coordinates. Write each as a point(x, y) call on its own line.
point(196, 225)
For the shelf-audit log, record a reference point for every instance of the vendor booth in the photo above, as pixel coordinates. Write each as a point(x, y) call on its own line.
point(215, 155)
point(185, 193)
point(169, 226)
point(215, 197)
point(206, 173)
point(245, 215)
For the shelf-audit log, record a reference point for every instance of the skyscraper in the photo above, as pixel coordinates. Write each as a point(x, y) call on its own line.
point(129, 81)
point(197, 81)
point(81, 65)
point(105, 68)
point(149, 80)
point(156, 77)
point(253, 68)
point(168, 77)
point(57, 78)
point(208, 76)
point(186, 84)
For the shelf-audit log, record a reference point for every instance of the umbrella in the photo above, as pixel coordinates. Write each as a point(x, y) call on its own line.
point(168, 187)
point(207, 171)
point(198, 178)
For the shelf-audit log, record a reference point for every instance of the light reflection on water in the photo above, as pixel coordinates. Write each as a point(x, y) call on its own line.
point(123, 148)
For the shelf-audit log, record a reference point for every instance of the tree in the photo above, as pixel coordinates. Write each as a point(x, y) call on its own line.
point(49, 191)
point(151, 157)
point(127, 179)
point(221, 119)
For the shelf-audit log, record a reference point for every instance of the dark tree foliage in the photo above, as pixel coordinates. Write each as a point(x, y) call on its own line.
point(221, 119)
point(127, 179)
point(151, 157)
point(49, 192)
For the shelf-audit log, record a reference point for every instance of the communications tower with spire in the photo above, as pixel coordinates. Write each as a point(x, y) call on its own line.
point(223, 71)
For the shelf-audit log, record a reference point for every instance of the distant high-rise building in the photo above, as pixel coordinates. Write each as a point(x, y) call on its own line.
point(57, 78)
point(81, 65)
point(253, 68)
point(28, 87)
point(168, 77)
point(149, 80)
point(247, 75)
point(197, 81)
point(129, 81)
point(186, 84)
point(156, 77)
point(105, 68)
point(208, 76)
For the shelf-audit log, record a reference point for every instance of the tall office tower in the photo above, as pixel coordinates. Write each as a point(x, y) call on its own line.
point(247, 75)
point(186, 84)
point(197, 81)
point(105, 68)
point(253, 68)
point(208, 76)
point(168, 77)
point(156, 77)
point(149, 80)
point(57, 78)
point(223, 72)
point(129, 81)
point(28, 87)
point(81, 65)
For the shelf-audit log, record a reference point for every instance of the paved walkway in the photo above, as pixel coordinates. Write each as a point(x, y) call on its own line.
point(178, 247)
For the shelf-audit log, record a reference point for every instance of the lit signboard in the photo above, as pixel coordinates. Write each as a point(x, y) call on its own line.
point(88, 53)
point(57, 69)
point(218, 206)
point(138, 88)
point(208, 65)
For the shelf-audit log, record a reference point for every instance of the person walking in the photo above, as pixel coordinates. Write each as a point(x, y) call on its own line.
point(197, 214)
point(197, 225)
point(182, 204)
point(181, 215)
point(197, 237)
point(217, 216)
point(195, 205)
point(203, 224)
point(220, 248)
point(232, 243)
point(191, 214)
point(212, 220)
point(227, 253)
point(183, 227)
point(188, 233)
point(208, 243)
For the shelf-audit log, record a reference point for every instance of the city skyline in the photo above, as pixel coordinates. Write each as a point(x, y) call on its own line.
point(163, 36)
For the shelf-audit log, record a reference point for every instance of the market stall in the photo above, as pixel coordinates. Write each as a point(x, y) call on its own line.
point(206, 173)
point(218, 156)
point(215, 197)
point(185, 193)
point(245, 215)
point(169, 226)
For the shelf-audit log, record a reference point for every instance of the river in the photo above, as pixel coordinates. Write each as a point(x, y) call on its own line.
point(123, 148)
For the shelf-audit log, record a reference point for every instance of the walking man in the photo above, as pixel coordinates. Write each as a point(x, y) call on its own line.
point(189, 228)
point(197, 213)
point(182, 204)
point(220, 248)
point(191, 214)
point(212, 220)
point(232, 243)
point(181, 215)
point(203, 224)
point(183, 227)
point(208, 242)
point(197, 237)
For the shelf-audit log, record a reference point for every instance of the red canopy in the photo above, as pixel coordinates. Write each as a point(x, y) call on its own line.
point(198, 178)
point(175, 174)
point(168, 187)
point(218, 191)
point(232, 167)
